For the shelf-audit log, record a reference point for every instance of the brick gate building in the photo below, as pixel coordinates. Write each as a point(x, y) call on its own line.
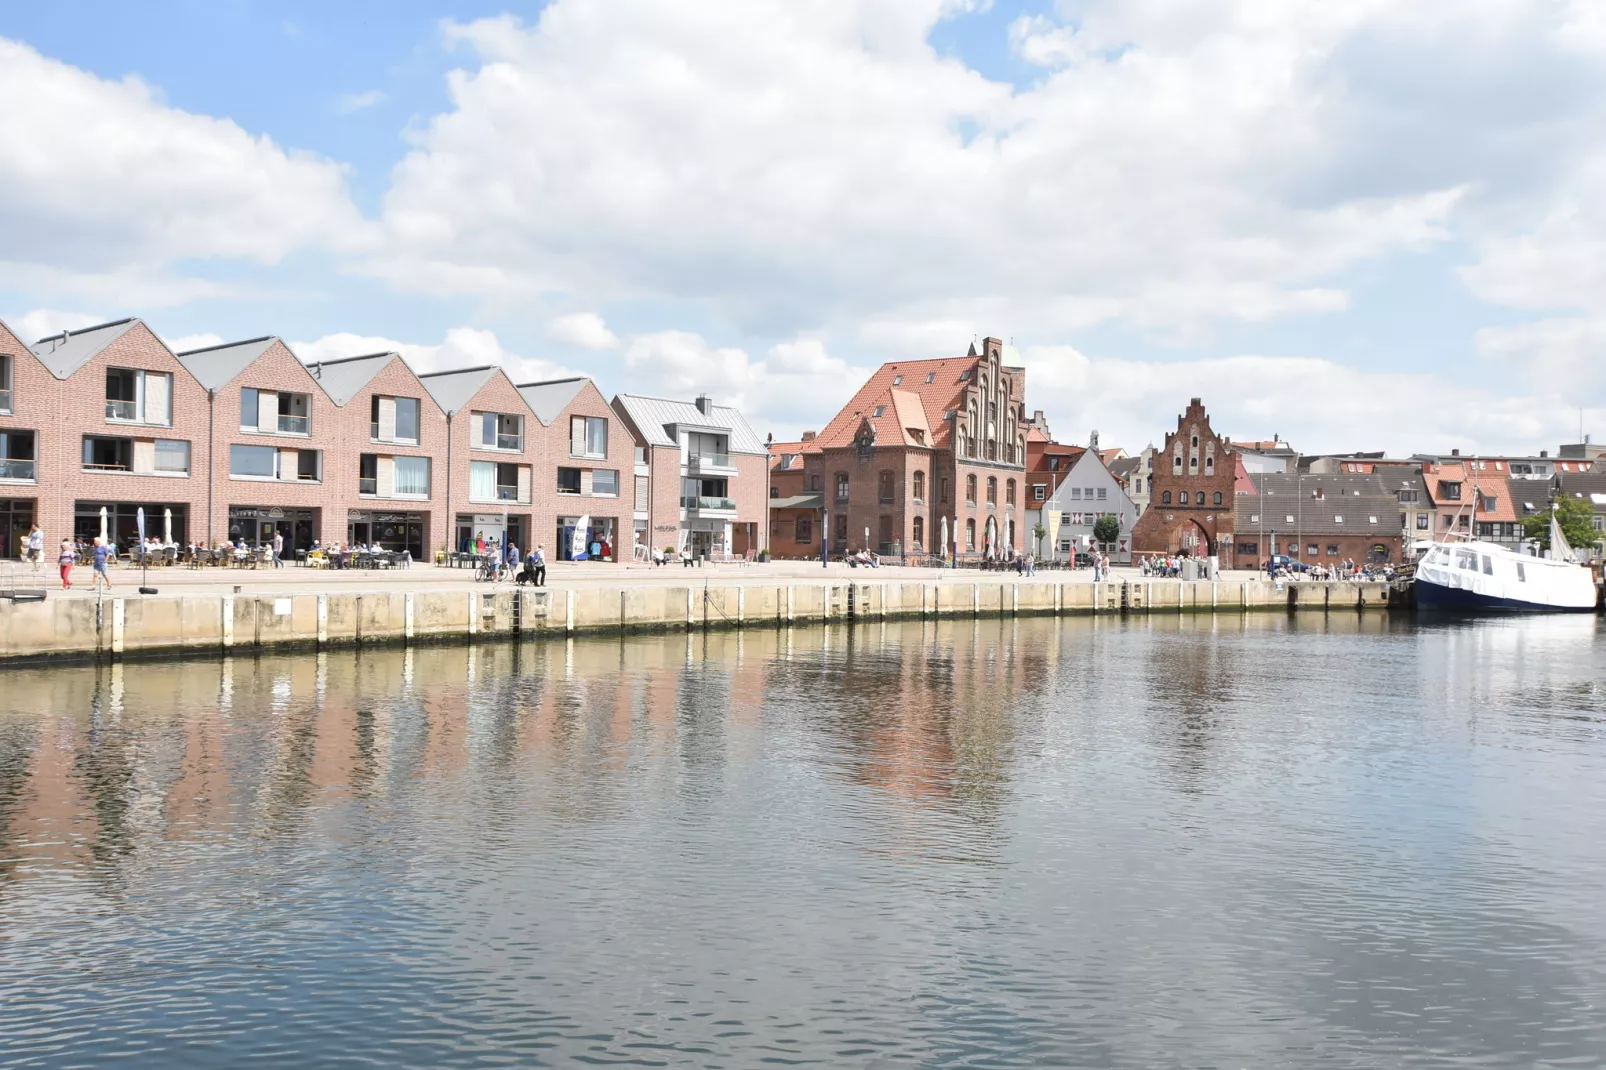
point(1190, 491)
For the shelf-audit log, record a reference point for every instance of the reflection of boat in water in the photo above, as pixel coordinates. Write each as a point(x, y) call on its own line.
point(1475, 575)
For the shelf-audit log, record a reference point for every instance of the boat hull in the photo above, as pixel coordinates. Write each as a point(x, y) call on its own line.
point(1433, 596)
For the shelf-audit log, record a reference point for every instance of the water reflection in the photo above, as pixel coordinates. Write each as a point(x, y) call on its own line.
point(1343, 841)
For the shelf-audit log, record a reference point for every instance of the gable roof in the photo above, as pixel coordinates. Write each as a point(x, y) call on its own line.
point(341, 379)
point(1273, 496)
point(215, 366)
point(936, 398)
point(1122, 467)
point(548, 399)
point(456, 388)
point(654, 416)
point(65, 353)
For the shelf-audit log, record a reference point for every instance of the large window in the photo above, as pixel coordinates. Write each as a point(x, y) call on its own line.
point(568, 481)
point(588, 436)
point(605, 482)
point(275, 413)
point(257, 462)
point(482, 481)
point(17, 456)
point(805, 529)
point(920, 533)
point(1009, 492)
point(368, 473)
point(992, 490)
point(886, 489)
point(136, 396)
point(412, 476)
point(842, 486)
point(920, 486)
point(173, 456)
point(6, 372)
point(970, 489)
point(108, 454)
point(500, 431)
point(394, 419)
point(407, 422)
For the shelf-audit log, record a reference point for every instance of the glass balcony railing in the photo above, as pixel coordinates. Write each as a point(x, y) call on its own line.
point(121, 410)
point(711, 460)
point(708, 504)
point(293, 425)
point(367, 486)
point(507, 494)
point(10, 469)
point(510, 442)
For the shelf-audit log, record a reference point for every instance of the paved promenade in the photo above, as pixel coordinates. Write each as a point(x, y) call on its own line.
point(563, 575)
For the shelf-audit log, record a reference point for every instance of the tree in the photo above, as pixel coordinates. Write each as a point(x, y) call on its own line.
point(1040, 533)
point(1107, 528)
point(1577, 521)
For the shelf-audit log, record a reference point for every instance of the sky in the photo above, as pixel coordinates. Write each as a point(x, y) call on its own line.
point(1366, 225)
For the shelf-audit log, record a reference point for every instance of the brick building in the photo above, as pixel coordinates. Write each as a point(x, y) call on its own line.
point(1319, 519)
point(581, 502)
point(928, 454)
point(795, 512)
point(1190, 492)
point(702, 476)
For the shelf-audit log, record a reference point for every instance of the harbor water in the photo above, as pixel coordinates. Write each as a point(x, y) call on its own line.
point(1325, 840)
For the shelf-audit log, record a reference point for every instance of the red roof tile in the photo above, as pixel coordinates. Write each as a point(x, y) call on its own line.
point(931, 399)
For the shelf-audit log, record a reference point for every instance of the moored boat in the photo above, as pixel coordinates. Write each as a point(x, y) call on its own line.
point(1484, 576)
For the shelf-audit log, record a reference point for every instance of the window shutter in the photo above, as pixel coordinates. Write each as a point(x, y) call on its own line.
point(144, 455)
point(289, 462)
point(387, 422)
point(387, 470)
point(577, 436)
point(267, 410)
point(585, 479)
point(158, 398)
point(643, 494)
point(524, 484)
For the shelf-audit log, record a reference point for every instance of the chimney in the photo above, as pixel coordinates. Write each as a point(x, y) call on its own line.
point(705, 404)
point(808, 436)
point(1544, 453)
point(1455, 453)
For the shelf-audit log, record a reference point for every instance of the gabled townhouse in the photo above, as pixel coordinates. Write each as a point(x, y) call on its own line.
point(1066, 519)
point(1047, 464)
point(392, 437)
point(1587, 485)
point(582, 507)
point(274, 439)
point(29, 397)
point(120, 433)
point(707, 476)
point(1191, 492)
point(493, 457)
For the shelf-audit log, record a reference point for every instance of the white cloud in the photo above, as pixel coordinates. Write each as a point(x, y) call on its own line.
point(40, 322)
point(347, 103)
point(463, 347)
point(104, 184)
point(583, 329)
point(186, 342)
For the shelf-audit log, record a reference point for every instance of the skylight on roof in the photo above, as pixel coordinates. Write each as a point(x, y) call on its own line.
point(880, 410)
point(897, 380)
point(931, 377)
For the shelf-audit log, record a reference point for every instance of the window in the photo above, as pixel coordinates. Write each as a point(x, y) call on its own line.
point(920, 486)
point(393, 419)
point(1195, 441)
point(1165, 497)
point(6, 372)
point(805, 529)
point(412, 473)
point(568, 481)
point(1176, 462)
point(1490, 503)
point(588, 436)
point(992, 490)
point(1371, 520)
point(407, 413)
point(1039, 492)
point(1599, 522)
point(1338, 519)
point(1312, 550)
point(1182, 497)
point(1466, 560)
point(368, 473)
point(885, 487)
point(1076, 494)
point(897, 380)
point(931, 377)
point(1422, 521)
point(1104, 493)
point(1009, 492)
point(880, 411)
point(920, 533)
point(248, 408)
point(841, 527)
point(942, 490)
point(1216, 498)
point(254, 462)
point(970, 489)
point(1450, 491)
point(1488, 566)
point(605, 482)
point(275, 413)
point(500, 431)
point(17, 455)
point(482, 481)
point(1406, 497)
point(172, 455)
point(1137, 485)
point(309, 465)
point(970, 536)
point(135, 396)
point(842, 486)
point(1332, 549)
point(918, 435)
point(1522, 576)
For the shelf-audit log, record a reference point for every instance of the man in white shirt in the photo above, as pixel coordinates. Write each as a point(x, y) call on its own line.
point(36, 546)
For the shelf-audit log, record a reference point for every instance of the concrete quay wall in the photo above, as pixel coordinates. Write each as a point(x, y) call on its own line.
point(80, 629)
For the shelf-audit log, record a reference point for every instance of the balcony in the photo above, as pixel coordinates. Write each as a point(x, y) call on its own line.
point(709, 506)
point(368, 486)
point(293, 425)
point(710, 464)
point(511, 443)
point(507, 494)
point(22, 471)
point(121, 410)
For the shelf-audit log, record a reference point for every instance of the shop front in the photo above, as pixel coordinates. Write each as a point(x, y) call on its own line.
point(119, 522)
point(16, 520)
point(586, 538)
point(709, 537)
point(396, 532)
point(474, 528)
point(256, 524)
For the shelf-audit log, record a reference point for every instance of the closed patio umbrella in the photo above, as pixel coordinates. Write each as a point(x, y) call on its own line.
point(103, 522)
point(167, 527)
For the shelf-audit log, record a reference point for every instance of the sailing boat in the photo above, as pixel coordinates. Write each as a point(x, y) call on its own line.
point(1478, 576)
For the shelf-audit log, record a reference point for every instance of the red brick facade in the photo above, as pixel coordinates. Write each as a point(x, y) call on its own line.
point(1191, 491)
point(552, 506)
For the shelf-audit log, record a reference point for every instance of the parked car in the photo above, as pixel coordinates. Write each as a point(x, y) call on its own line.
point(1282, 561)
point(1083, 559)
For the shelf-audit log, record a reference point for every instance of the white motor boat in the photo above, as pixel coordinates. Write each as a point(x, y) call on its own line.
point(1484, 576)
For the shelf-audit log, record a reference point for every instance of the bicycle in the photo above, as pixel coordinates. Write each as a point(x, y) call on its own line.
point(486, 571)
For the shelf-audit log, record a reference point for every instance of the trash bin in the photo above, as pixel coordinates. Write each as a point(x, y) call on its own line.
point(1190, 569)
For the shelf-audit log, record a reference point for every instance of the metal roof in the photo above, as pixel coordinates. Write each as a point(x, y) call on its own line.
point(548, 399)
point(215, 366)
point(65, 353)
point(456, 388)
point(654, 416)
point(341, 379)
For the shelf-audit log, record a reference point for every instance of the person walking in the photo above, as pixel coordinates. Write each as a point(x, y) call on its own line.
point(278, 548)
point(65, 560)
point(512, 559)
point(101, 552)
point(36, 546)
point(538, 563)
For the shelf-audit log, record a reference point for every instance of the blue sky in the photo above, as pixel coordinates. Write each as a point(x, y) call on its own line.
point(1315, 218)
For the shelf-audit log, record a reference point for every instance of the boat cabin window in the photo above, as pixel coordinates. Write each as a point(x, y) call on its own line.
point(1522, 577)
point(1488, 566)
point(1466, 559)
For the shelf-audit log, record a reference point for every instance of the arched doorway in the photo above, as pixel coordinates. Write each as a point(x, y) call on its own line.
point(1190, 539)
